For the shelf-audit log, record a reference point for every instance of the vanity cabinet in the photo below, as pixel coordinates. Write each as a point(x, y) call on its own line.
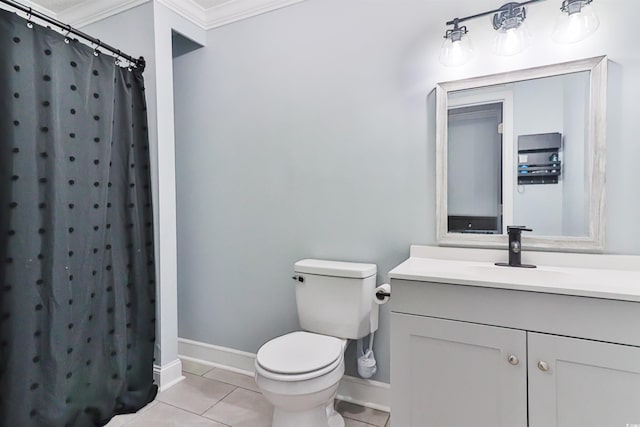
point(575, 382)
point(485, 357)
point(457, 374)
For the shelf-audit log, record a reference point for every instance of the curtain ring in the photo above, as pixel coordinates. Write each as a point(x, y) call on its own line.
point(96, 52)
point(66, 35)
point(29, 23)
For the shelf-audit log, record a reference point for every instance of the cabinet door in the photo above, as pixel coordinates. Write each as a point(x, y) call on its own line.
point(581, 383)
point(451, 374)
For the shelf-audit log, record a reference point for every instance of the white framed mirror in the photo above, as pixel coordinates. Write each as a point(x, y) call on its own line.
point(523, 148)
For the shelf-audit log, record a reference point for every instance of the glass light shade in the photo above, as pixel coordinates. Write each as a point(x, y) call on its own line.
point(456, 53)
point(571, 28)
point(512, 41)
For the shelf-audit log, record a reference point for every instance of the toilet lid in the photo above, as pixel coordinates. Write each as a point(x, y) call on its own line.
point(299, 352)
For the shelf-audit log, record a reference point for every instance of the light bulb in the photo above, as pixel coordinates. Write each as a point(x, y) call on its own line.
point(512, 41)
point(456, 49)
point(575, 23)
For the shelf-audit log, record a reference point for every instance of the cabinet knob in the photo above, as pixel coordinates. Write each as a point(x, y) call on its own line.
point(543, 366)
point(513, 359)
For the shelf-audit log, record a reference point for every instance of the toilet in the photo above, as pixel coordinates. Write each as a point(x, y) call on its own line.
point(299, 372)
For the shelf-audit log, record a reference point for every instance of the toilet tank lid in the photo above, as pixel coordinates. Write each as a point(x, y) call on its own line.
point(335, 268)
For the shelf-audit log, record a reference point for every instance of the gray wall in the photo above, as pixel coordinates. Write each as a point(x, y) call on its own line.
point(293, 141)
point(306, 132)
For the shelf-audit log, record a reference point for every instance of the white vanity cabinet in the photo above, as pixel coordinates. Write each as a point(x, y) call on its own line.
point(575, 382)
point(465, 355)
point(448, 373)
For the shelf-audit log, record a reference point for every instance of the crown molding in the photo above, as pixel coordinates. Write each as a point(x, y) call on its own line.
point(236, 10)
point(188, 9)
point(88, 12)
point(225, 13)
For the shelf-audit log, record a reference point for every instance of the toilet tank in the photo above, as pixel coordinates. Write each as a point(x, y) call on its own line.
point(336, 298)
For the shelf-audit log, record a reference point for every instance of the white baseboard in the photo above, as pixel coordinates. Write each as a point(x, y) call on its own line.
point(167, 375)
point(369, 393)
point(216, 356)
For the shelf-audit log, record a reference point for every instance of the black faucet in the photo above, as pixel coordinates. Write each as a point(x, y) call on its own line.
point(515, 247)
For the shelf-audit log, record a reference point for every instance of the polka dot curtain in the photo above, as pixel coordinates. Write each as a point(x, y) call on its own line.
point(76, 235)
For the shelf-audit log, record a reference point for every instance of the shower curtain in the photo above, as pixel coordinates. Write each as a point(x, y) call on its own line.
point(76, 235)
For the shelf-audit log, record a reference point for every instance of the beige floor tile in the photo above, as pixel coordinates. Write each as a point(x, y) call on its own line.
point(242, 408)
point(162, 415)
point(360, 413)
point(195, 394)
point(240, 380)
point(194, 368)
point(121, 420)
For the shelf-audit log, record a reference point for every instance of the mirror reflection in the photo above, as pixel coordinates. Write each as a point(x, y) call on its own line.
point(525, 147)
point(518, 154)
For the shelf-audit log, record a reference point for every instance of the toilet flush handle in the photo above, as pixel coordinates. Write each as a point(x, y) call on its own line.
point(299, 279)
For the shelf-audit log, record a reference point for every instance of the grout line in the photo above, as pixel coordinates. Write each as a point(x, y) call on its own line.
point(225, 382)
point(194, 413)
point(213, 419)
point(137, 415)
point(197, 375)
point(235, 385)
point(221, 399)
point(182, 409)
point(207, 372)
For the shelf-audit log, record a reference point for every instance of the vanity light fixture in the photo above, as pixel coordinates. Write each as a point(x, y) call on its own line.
point(456, 48)
point(513, 36)
point(576, 21)
point(508, 20)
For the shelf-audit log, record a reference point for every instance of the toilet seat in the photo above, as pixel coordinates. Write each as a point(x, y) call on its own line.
point(299, 356)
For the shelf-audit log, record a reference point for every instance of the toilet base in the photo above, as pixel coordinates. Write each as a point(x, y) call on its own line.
point(316, 417)
point(335, 419)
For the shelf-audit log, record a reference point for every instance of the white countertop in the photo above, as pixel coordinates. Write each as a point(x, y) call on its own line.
point(430, 264)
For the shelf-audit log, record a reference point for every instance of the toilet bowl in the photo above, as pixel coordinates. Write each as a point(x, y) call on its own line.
point(299, 374)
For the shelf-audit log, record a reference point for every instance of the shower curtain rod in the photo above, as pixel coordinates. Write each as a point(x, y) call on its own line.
point(139, 63)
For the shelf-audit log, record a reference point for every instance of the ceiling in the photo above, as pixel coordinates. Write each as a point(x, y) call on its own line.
point(62, 6)
point(204, 13)
point(56, 6)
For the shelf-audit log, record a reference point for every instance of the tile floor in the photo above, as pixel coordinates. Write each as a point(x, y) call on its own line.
point(213, 397)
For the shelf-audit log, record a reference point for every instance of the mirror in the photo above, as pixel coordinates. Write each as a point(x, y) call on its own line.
point(523, 148)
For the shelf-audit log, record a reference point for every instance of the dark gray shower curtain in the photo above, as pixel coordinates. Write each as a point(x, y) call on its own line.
point(76, 236)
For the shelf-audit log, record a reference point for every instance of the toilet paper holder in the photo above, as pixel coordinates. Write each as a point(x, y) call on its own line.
point(381, 295)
